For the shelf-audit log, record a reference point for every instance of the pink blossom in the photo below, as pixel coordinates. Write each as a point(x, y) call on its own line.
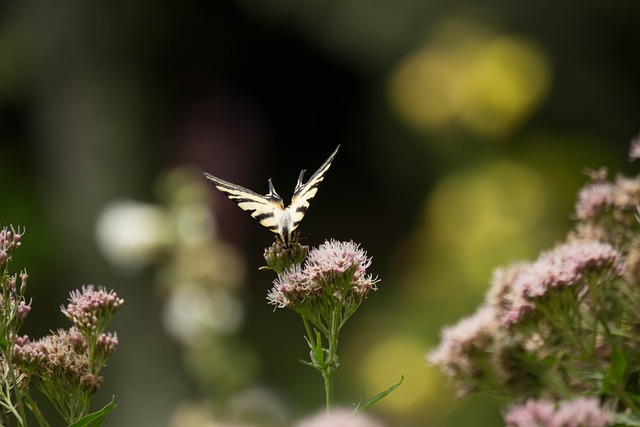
point(594, 199)
point(466, 338)
point(333, 270)
point(534, 413)
point(290, 287)
point(338, 418)
point(580, 412)
point(565, 265)
point(634, 151)
point(90, 309)
point(627, 194)
point(333, 260)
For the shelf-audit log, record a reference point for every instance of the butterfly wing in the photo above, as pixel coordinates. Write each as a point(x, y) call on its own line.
point(303, 193)
point(268, 210)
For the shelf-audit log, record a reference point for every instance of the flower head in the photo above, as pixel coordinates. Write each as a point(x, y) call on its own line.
point(340, 262)
point(90, 309)
point(566, 265)
point(335, 270)
point(580, 412)
point(338, 418)
point(464, 346)
point(594, 199)
point(280, 257)
point(290, 288)
point(634, 150)
point(9, 242)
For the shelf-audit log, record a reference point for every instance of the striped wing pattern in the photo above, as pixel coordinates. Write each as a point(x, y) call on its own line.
point(303, 193)
point(269, 209)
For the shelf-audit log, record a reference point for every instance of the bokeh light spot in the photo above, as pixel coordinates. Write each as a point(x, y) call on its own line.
point(481, 217)
point(466, 78)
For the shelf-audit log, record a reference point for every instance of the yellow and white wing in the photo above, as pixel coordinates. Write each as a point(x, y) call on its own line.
point(303, 193)
point(267, 209)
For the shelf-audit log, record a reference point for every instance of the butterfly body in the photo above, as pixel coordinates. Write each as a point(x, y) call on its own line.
point(269, 210)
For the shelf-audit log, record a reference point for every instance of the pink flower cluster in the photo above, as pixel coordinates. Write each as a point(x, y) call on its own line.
point(334, 269)
point(476, 349)
point(601, 197)
point(9, 241)
point(463, 341)
point(634, 151)
point(566, 265)
point(90, 309)
point(58, 361)
point(580, 412)
point(338, 418)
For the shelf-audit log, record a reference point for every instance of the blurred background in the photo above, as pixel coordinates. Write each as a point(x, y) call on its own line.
point(464, 131)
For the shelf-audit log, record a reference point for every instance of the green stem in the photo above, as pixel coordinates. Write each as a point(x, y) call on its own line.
point(33, 406)
point(22, 419)
point(331, 365)
point(312, 340)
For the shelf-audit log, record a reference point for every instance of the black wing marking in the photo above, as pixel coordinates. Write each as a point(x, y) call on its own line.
point(303, 193)
point(267, 209)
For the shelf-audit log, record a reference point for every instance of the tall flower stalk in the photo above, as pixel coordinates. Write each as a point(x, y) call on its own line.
point(64, 366)
point(325, 289)
point(13, 311)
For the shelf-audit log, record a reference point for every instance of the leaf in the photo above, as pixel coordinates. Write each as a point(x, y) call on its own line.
point(362, 406)
point(4, 343)
point(624, 419)
point(97, 418)
point(316, 353)
point(615, 374)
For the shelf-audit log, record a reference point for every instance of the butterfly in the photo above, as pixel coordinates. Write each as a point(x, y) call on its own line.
point(269, 209)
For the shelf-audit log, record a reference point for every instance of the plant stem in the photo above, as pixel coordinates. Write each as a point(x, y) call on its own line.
point(331, 363)
point(33, 406)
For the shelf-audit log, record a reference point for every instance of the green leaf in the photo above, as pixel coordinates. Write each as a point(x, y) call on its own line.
point(4, 343)
point(624, 419)
point(97, 418)
point(362, 406)
point(615, 374)
point(316, 353)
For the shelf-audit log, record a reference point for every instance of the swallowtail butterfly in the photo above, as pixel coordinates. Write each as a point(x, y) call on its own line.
point(269, 209)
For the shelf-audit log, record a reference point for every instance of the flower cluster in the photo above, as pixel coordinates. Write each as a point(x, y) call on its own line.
point(607, 210)
point(564, 325)
point(568, 265)
point(9, 242)
point(338, 418)
point(280, 257)
point(580, 412)
point(64, 365)
point(553, 299)
point(58, 362)
point(90, 309)
point(325, 290)
point(333, 271)
point(463, 353)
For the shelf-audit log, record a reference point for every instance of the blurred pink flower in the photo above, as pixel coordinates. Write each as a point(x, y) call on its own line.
point(463, 341)
point(580, 412)
point(565, 265)
point(594, 199)
point(338, 418)
point(634, 151)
